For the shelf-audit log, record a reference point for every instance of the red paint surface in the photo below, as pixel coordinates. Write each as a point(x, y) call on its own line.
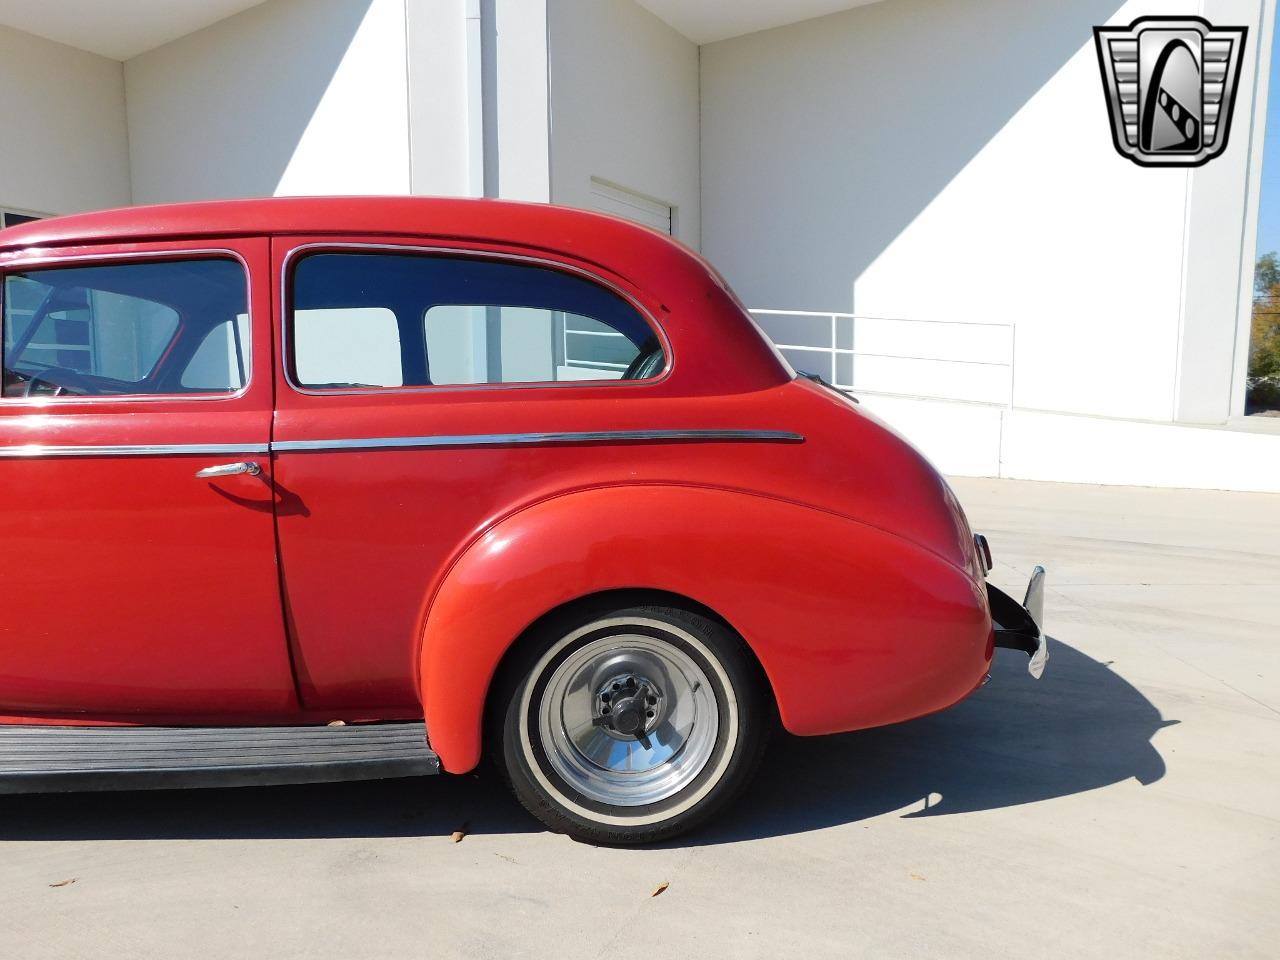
point(130, 586)
point(135, 590)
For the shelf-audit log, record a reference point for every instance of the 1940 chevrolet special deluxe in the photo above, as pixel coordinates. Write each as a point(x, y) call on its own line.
point(280, 480)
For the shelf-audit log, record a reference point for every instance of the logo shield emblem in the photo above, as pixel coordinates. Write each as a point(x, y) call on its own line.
point(1171, 86)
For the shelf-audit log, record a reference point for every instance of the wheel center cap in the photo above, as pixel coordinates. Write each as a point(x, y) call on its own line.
point(628, 717)
point(627, 707)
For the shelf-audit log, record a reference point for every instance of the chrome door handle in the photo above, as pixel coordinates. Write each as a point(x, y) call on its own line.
point(230, 470)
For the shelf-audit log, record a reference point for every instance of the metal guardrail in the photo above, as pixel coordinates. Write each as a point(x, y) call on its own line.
point(857, 353)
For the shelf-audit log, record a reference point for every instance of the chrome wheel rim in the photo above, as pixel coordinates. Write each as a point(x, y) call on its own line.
point(628, 720)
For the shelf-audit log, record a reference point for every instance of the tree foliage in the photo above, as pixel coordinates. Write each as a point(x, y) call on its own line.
point(1264, 340)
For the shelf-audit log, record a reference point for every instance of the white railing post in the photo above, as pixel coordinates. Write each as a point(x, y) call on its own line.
point(1013, 357)
point(834, 344)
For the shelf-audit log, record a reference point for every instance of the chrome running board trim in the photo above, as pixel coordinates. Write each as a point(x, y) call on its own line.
point(40, 759)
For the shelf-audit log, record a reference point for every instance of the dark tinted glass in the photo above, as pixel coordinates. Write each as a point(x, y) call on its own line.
point(172, 326)
point(390, 320)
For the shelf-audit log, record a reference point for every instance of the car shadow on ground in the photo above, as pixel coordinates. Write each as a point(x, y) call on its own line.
point(1013, 742)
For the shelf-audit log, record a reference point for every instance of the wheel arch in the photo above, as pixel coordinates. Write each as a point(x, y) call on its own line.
point(603, 601)
point(812, 596)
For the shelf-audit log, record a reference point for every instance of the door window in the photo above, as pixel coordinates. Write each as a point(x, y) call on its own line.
point(171, 326)
point(363, 320)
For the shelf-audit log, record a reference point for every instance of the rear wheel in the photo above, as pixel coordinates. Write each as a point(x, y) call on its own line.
point(632, 725)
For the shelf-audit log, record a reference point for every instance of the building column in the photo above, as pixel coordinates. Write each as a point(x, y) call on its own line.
point(479, 113)
point(1221, 237)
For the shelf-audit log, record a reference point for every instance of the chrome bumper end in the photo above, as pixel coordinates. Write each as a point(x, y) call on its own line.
point(1019, 626)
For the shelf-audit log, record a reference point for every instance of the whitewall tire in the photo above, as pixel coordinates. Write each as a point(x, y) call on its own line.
point(630, 725)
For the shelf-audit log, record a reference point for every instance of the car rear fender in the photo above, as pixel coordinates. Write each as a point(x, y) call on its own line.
point(853, 626)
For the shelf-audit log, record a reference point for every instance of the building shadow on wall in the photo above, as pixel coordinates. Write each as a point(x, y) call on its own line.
point(276, 61)
point(787, 158)
point(1014, 742)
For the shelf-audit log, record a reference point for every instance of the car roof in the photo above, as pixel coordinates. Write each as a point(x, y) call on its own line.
point(537, 225)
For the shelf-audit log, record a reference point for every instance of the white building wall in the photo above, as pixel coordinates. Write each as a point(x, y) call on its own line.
point(290, 97)
point(981, 440)
point(624, 107)
point(944, 171)
point(64, 148)
point(952, 162)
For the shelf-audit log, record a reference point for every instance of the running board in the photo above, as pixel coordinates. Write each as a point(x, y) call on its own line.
point(36, 759)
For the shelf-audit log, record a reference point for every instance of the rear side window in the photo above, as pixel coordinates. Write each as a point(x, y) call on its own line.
point(379, 320)
point(172, 326)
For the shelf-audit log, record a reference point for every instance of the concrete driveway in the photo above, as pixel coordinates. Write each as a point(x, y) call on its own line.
point(1127, 805)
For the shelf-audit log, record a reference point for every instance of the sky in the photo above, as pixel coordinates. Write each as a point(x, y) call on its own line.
point(1269, 208)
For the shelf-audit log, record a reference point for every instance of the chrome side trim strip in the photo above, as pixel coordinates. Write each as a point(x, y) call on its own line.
point(524, 439)
point(35, 450)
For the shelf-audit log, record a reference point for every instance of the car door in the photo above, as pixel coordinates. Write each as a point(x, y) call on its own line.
point(134, 582)
point(412, 385)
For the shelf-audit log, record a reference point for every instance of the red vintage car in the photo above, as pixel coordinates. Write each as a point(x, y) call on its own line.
point(296, 490)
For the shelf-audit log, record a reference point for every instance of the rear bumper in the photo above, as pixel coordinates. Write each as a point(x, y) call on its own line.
point(1019, 626)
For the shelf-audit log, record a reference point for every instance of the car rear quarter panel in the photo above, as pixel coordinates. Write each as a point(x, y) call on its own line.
point(853, 626)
